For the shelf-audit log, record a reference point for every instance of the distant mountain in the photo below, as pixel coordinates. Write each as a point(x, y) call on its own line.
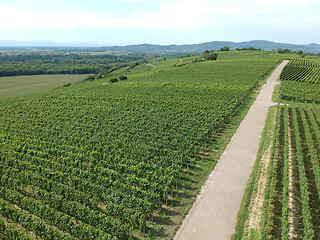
point(215, 45)
point(186, 48)
point(9, 43)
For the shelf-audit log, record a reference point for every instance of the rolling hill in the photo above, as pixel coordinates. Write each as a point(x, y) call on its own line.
point(185, 48)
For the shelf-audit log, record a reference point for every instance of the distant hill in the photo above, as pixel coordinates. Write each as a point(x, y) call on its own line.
point(186, 48)
point(215, 45)
point(9, 43)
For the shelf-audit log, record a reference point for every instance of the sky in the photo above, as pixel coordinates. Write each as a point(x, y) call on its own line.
point(123, 22)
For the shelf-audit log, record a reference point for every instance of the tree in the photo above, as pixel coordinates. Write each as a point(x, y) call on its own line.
point(114, 79)
point(210, 56)
point(279, 50)
point(225, 48)
point(286, 50)
point(299, 52)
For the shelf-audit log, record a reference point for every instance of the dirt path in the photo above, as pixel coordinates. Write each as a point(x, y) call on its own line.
point(293, 195)
point(255, 213)
point(214, 213)
point(149, 64)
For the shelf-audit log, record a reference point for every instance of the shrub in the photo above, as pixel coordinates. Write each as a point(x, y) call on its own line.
point(226, 48)
point(210, 56)
point(122, 77)
point(89, 78)
point(134, 64)
point(114, 79)
point(118, 78)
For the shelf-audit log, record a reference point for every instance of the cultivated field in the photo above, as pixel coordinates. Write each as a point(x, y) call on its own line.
point(24, 85)
point(301, 81)
point(108, 161)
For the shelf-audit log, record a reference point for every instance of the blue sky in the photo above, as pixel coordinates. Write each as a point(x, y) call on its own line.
point(119, 22)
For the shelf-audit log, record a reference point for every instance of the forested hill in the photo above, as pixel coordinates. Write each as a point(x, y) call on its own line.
point(151, 48)
point(215, 45)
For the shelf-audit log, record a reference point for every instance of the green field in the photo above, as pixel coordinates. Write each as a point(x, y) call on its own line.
point(24, 85)
point(125, 160)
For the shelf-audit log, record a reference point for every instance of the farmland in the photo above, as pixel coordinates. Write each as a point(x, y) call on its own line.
point(298, 78)
point(104, 161)
point(24, 85)
point(302, 70)
point(282, 197)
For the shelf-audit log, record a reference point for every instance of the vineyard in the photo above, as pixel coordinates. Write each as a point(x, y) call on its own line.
point(95, 161)
point(300, 92)
point(302, 70)
point(291, 205)
point(295, 170)
point(298, 78)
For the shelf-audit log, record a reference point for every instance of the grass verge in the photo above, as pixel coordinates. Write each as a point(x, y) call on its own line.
point(265, 142)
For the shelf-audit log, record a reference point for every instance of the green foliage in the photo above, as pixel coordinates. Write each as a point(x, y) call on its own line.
point(210, 56)
point(226, 48)
point(122, 77)
point(250, 49)
point(23, 85)
point(302, 70)
point(62, 64)
point(300, 91)
point(299, 52)
point(98, 160)
point(114, 79)
point(8, 231)
point(300, 81)
point(90, 78)
point(134, 64)
point(118, 78)
point(283, 51)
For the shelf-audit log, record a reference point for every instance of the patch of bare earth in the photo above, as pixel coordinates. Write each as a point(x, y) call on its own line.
point(256, 203)
point(293, 195)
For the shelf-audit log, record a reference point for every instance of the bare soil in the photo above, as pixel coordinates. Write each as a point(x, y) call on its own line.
point(256, 203)
point(292, 201)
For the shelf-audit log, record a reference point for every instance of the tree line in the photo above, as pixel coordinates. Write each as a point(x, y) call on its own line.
point(37, 64)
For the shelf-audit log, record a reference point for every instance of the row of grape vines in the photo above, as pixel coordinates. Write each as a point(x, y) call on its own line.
point(302, 70)
point(300, 81)
point(300, 92)
point(97, 162)
point(297, 145)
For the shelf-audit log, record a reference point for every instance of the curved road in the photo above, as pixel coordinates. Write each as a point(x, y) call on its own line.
point(214, 213)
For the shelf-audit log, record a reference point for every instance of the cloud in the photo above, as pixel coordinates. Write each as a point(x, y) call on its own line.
point(133, 1)
point(175, 14)
point(165, 18)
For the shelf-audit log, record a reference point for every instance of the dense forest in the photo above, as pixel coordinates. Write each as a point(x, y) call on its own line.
point(36, 64)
